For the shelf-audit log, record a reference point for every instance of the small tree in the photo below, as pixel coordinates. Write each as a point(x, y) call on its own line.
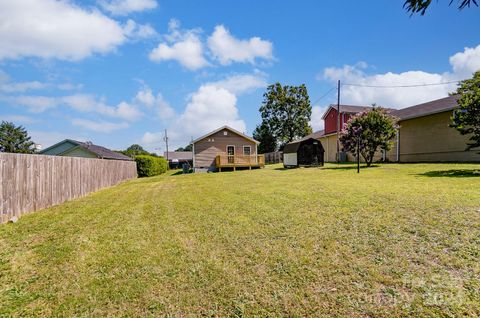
point(267, 140)
point(368, 131)
point(15, 139)
point(188, 147)
point(286, 111)
point(466, 119)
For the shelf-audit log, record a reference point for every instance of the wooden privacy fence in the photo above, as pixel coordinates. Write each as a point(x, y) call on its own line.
point(273, 157)
point(32, 182)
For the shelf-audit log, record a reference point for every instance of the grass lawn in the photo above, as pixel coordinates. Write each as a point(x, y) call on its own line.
point(396, 240)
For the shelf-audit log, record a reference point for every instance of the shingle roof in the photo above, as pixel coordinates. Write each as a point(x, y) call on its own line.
point(179, 155)
point(433, 107)
point(314, 135)
point(101, 152)
point(229, 128)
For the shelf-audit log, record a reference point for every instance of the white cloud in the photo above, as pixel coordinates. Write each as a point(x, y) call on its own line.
point(125, 7)
point(48, 138)
point(151, 139)
point(184, 47)
point(145, 97)
point(55, 29)
point(88, 103)
point(242, 83)
point(80, 102)
point(227, 49)
point(467, 62)
point(99, 126)
point(463, 65)
point(316, 120)
point(18, 119)
point(34, 104)
point(134, 30)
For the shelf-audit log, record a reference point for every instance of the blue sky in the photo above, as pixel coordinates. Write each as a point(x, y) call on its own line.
point(118, 72)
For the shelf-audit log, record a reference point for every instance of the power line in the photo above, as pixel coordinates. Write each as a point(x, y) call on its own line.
point(324, 95)
point(401, 86)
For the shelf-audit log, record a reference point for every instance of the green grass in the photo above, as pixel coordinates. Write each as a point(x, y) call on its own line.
point(395, 240)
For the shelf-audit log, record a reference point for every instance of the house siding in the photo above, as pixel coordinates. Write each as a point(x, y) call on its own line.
point(206, 151)
point(331, 120)
point(58, 149)
point(78, 152)
point(430, 138)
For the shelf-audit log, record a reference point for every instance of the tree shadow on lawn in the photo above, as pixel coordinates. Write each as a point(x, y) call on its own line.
point(455, 173)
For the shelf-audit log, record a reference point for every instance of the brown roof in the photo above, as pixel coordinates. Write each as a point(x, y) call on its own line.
point(101, 152)
point(179, 155)
point(314, 135)
point(348, 109)
point(433, 107)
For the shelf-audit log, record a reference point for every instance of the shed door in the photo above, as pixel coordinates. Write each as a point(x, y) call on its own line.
point(231, 154)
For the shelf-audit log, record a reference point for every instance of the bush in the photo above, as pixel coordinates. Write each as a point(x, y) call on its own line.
point(148, 166)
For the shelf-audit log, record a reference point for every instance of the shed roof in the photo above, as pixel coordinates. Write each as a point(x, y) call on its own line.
point(179, 155)
point(99, 151)
point(229, 128)
point(429, 108)
point(292, 147)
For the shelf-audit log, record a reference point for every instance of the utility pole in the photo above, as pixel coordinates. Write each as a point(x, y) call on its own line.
point(338, 122)
point(166, 142)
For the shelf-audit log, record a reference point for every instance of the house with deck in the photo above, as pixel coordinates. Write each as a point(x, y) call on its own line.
point(226, 148)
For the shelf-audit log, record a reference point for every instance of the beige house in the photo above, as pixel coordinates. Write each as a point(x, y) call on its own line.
point(225, 148)
point(424, 135)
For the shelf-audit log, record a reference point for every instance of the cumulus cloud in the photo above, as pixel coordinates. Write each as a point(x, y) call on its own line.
point(183, 46)
point(213, 105)
point(125, 7)
point(55, 29)
point(134, 30)
point(316, 121)
point(99, 126)
point(227, 49)
point(463, 65)
point(146, 97)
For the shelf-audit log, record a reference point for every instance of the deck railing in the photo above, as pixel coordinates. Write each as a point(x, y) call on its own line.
point(225, 160)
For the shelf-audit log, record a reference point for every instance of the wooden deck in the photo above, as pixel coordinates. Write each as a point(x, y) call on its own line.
point(239, 161)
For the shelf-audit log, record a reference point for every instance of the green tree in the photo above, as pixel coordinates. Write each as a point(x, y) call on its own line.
point(466, 119)
point(368, 131)
point(186, 148)
point(286, 112)
point(136, 150)
point(15, 139)
point(421, 6)
point(267, 140)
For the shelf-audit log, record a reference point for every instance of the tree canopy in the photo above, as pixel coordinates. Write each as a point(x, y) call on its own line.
point(286, 113)
point(466, 119)
point(421, 6)
point(368, 131)
point(188, 147)
point(136, 150)
point(15, 139)
point(266, 138)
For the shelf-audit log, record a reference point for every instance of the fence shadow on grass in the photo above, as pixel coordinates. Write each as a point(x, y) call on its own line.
point(453, 173)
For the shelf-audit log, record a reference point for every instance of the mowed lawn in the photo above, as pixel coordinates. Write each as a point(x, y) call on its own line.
point(395, 240)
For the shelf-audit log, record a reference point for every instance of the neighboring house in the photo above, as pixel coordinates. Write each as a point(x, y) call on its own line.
point(424, 134)
point(223, 148)
point(176, 159)
point(73, 148)
point(304, 152)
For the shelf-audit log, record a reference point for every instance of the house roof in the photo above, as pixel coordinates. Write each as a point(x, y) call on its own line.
point(429, 108)
point(229, 128)
point(179, 155)
point(347, 109)
point(314, 135)
point(99, 151)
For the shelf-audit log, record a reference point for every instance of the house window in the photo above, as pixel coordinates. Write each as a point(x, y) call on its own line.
point(225, 133)
point(247, 150)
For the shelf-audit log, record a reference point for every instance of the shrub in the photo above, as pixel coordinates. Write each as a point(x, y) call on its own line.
point(148, 166)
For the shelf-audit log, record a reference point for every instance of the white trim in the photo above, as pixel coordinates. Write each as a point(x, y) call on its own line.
point(226, 149)
point(247, 146)
point(229, 128)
